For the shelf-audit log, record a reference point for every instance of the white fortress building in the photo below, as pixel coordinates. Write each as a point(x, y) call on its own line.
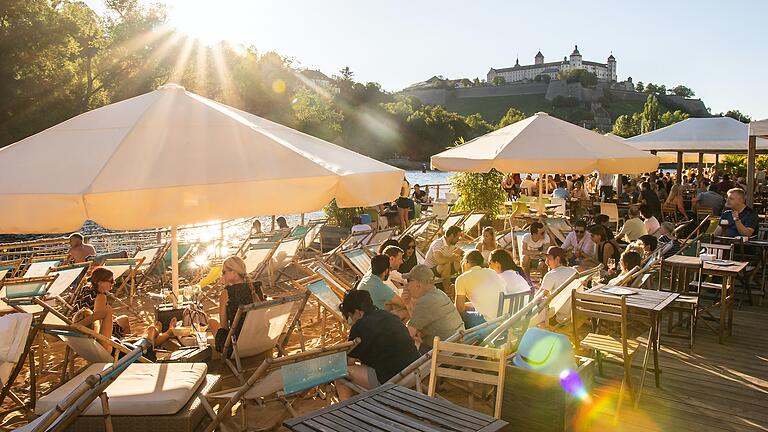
point(605, 71)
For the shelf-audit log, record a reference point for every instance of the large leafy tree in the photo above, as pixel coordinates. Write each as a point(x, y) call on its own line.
point(650, 115)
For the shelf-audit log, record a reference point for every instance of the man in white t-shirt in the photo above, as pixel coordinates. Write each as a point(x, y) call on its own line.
point(534, 245)
point(557, 275)
point(481, 286)
point(444, 256)
point(650, 222)
point(359, 226)
point(528, 186)
point(578, 244)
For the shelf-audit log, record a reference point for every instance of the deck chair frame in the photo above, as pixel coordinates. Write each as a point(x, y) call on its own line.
point(11, 267)
point(327, 300)
point(39, 259)
point(352, 264)
point(267, 366)
point(470, 222)
point(232, 339)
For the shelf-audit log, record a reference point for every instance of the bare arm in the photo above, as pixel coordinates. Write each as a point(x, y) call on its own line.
point(223, 300)
point(100, 308)
point(460, 303)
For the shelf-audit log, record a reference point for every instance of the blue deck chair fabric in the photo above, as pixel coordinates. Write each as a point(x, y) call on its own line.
point(545, 352)
point(183, 249)
point(307, 374)
point(22, 290)
point(325, 294)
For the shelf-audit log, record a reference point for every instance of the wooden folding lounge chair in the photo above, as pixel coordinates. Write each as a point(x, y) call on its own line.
point(153, 261)
point(15, 346)
point(10, 268)
point(144, 397)
point(311, 235)
point(355, 240)
point(257, 257)
point(380, 237)
point(558, 227)
point(471, 222)
point(453, 219)
point(328, 296)
point(124, 268)
point(416, 227)
point(39, 266)
point(88, 390)
point(263, 324)
point(473, 364)
point(286, 254)
point(323, 269)
point(358, 260)
point(612, 211)
point(283, 378)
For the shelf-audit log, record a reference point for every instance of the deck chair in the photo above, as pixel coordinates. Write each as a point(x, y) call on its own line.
point(612, 211)
point(416, 227)
point(257, 257)
point(263, 324)
point(452, 220)
point(283, 378)
point(153, 260)
point(328, 298)
point(511, 303)
point(124, 268)
point(471, 222)
point(473, 364)
point(39, 266)
point(354, 240)
point(558, 227)
point(358, 260)
point(311, 235)
point(339, 284)
point(380, 237)
point(10, 268)
point(602, 308)
point(285, 255)
point(69, 280)
point(517, 244)
point(14, 345)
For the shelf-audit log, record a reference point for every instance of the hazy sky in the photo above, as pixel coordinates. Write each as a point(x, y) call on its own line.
point(717, 48)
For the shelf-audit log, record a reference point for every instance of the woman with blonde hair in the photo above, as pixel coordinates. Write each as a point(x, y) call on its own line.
point(487, 243)
point(239, 291)
point(675, 197)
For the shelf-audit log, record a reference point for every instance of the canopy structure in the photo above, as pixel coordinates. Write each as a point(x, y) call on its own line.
point(671, 157)
point(170, 157)
point(714, 135)
point(759, 128)
point(545, 144)
point(758, 131)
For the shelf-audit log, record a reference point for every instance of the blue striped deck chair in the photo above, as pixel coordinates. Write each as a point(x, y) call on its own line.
point(339, 285)
point(328, 298)
point(358, 260)
point(9, 268)
point(284, 379)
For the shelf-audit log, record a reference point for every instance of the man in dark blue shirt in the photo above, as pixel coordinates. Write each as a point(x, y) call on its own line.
point(738, 220)
point(385, 348)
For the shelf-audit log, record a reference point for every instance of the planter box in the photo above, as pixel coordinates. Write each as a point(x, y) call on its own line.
point(536, 402)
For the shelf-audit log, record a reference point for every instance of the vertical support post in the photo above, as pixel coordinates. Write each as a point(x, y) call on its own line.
point(541, 194)
point(437, 194)
point(302, 219)
point(175, 266)
point(700, 176)
point(717, 163)
point(680, 167)
point(273, 223)
point(751, 169)
point(105, 411)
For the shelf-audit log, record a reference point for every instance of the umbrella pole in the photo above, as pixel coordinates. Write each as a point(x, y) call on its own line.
point(541, 194)
point(174, 267)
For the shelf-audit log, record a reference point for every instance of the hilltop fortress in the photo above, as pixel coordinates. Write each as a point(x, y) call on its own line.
point(605, 72)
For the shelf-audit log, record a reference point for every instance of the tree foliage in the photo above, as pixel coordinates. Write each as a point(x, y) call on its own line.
point(498, 80)
point(586, 78)
point(681, 90)
point(479, 192)
point(512, 116)
point(650, 115)
point(737, 115)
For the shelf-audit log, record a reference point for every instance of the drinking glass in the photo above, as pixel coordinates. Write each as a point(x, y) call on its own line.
point(611, 263)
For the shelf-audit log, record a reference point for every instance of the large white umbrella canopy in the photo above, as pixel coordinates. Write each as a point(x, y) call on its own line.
point(171, 157)
point(545, 144)
point(671, 157)
point(759, 128)
point(698, 135)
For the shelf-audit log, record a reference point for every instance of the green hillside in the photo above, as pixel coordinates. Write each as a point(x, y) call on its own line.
point(493, 108)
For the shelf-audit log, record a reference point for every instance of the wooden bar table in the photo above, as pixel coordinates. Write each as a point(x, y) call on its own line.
point(727, 270)
point(652, 302)
point(394, 408)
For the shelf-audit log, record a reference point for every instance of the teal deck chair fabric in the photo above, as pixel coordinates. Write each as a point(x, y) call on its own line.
point(306, 374)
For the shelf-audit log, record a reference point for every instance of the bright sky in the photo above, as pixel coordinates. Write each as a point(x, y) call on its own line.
point(716, 48)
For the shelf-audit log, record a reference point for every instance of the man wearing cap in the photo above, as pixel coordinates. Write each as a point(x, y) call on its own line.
point(432, 312)
point(79, 251)
point(385, 346)
point(480, 286)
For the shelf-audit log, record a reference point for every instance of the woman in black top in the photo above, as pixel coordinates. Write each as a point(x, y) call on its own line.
point(607, 248)
point(408, 245)
point(94, 299)
point(239, 291)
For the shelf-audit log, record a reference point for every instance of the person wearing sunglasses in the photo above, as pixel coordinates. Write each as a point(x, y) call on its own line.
point(408, 245)
point(100, 315)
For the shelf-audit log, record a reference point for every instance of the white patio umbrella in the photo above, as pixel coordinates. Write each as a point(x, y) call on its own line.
point(545, 144)
point(670, 157)
point(169, 158)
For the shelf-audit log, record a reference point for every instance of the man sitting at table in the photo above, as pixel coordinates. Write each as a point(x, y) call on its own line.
point(78, 250)
point(534, 244)
point(385, 348)
point(561, 191)
point(739, 219)
point(432, 312)
point(709, 200)
point(480, 286)
point(444, 257)
point(578, 245)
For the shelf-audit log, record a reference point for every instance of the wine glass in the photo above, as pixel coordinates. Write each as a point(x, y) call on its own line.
point(611, 263)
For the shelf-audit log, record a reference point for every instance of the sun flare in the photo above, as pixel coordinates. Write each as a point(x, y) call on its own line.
point(209, 22)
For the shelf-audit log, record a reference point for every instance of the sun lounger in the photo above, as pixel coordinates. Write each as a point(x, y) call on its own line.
point(283, 378)
point(453, 219)
point(558, 227)
point(14, 339)
point(285, 255)
point(358, 260)
point(39, 266)
point(257, 257)
point(328, 297)
point(313, 234)
point(380, 237)
point(472, 222)
point(10, 268)
point(417, 227)
point(147, 397)
point(264, 324)
point(321, 268)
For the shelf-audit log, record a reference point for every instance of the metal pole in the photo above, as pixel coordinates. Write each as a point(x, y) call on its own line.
point(273, 222)
point(175, 266)
point(700, 179)
point(302, 219)
point(751, 170)
point(680, 167)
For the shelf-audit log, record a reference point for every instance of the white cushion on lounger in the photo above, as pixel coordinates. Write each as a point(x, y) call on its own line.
point(143, 389)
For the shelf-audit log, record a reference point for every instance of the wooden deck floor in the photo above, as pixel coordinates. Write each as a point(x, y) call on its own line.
point(712, 388)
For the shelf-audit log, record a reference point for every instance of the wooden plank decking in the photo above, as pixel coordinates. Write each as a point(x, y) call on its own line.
point(713, 388)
